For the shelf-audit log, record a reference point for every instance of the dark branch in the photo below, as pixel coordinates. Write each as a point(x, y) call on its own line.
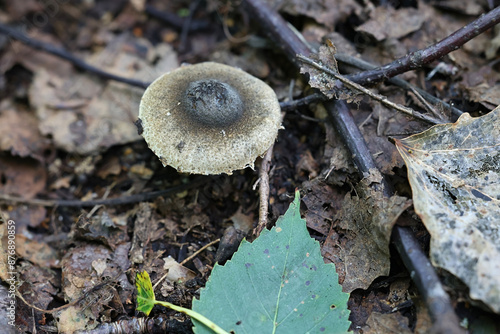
point(364, 65)
point(176, 21)
point(46, 47)
point(421, 57)
point(291, 105)
point(136, 198)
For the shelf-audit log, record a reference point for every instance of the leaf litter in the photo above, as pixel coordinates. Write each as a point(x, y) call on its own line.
point(366, 220)
point(85, 115)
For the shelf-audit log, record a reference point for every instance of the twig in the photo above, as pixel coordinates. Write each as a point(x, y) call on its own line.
point(189, 258)
point(294, 104)
point(419, 58)
point(176, 21)
point(141, 325)
point(378, 97)
point(426, 104)
point(186, 24)
point(111, 201)
point(57, 309)
point(343, 121)
point(434, 295)
point(264, 191)
point(61, 53)
point(361, 64)
point(364, 65)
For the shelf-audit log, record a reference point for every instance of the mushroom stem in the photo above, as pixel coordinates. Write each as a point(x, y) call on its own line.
point(265, 166)
point(264, 188)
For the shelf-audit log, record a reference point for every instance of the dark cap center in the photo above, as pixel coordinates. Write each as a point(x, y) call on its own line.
point(213, 103)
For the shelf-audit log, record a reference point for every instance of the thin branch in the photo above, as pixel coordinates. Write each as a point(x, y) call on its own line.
point(61, 53)
point(426, 104)
point(176, 21)
point(419, 58)
point(364, 65)
point(382, 99)
point(264, 191)
point(263, 182)
point(189, 258)
point(186, 260)
point(294, 104)
point(427, 282)
point(136, 198)
point(186, 24)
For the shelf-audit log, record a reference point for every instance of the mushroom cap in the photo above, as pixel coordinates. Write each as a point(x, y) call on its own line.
point(241, 122)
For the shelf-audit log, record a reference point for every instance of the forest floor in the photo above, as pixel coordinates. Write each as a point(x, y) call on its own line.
point(68, 139)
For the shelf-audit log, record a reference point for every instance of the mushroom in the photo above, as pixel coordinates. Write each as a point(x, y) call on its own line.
point(209, 118)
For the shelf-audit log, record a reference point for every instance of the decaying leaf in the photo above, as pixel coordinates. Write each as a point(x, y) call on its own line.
point(84, 114)
point(326, 83)
point(454, 172)
point(38, 286)
point(327, 12)
point(25, 140)
point(387, 323)
point(22, 177)
point(368, 219)
point(176, 272)
point(145, 292)
point(83, 268)
point(387, 22)
point(37, 252)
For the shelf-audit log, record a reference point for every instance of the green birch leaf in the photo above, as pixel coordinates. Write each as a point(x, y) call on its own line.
point(145, 293)
point(277, 284)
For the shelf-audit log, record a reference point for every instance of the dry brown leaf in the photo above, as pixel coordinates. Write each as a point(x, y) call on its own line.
point(388, 22)
point(38, 286)
point(322, 202)
point(19, 129)
point(105, 111)
point(484, 94)
point(381, 123)
point(367, 219)
point(325, 82)
point(22, 177)
point(177, 273)
point(327, 12)
point(242, 222)
point(70, 320)
point(85, 266)
point(388, 323)
point(37, 252)
point(454, 172)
